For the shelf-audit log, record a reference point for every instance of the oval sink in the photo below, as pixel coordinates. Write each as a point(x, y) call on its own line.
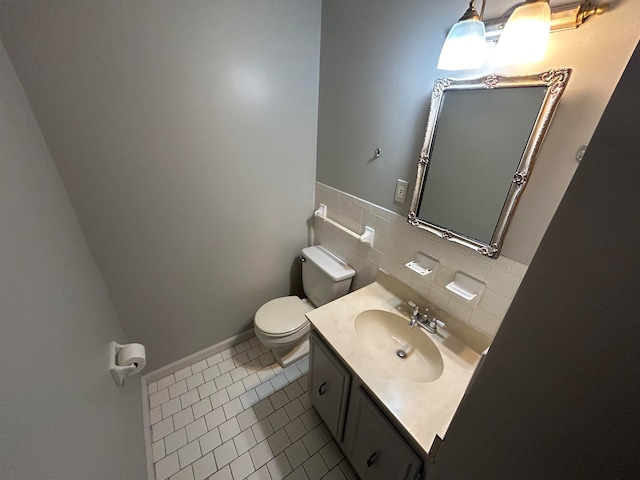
point(403, 351)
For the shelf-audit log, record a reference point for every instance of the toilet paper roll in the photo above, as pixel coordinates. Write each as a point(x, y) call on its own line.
point(132, 354)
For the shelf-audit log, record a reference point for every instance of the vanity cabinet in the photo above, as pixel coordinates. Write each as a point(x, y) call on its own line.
point(369, 440)
point(328, 387)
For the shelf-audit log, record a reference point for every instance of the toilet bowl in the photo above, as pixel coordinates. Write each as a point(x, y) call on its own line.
point(281, 324)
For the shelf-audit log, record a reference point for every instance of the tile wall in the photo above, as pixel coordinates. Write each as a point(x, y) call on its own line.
point(396, 243)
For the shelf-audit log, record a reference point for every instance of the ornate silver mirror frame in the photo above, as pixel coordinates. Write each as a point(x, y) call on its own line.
point(554, 82)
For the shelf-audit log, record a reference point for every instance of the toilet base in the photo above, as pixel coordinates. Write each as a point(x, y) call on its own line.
point(286, 357)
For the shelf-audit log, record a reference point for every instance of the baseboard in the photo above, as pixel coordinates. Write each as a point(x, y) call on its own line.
point(196, 357)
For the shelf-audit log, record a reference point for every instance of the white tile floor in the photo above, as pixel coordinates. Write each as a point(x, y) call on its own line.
point(239, 415)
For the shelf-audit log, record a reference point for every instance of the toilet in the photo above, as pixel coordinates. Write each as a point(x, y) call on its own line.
point(281, 324)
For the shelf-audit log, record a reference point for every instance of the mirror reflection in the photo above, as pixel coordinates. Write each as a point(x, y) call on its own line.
point(482, 138)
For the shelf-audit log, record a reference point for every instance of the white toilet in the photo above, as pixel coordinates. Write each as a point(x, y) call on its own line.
point(281, 325)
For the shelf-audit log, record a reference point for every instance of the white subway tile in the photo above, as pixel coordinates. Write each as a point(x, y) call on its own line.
point(484, 321)
point(474, 267)
point(502, 282)
point(214, 359)
point(242, 467)
point(210, 440)
point(246, 418)
point(249, 398)
point(232, 408)
point(229, 429)
point(494, 303)
point(158, 398)
point(166, 381)
point(444, 276)
point(158, 450)
point(262, 474)
point(189, 398)
point(331, 454)
point(451, 258)
point(175, 440)
point(264, 390)
point(171, 407)
point(204, 467)
point(167, 466)
point(279, 467)
point(177, 389)
point(518, 269)
point(155, 415)
point(294, 408)
point(196, 429)
point(315, 467)
point(183, 418)
point(225, 454)
point(183, 374)
point(235, 390)
point(460, 309)
point(199, 366)
point(184, 474)
point(295, 430)
point(162, 429)
point(438, 296)
point(223, 381)
point(201, 408)
point(313, 441)
point(189, 453)
point(261, 454)
point(215, 417)
point(207, 389)
point(244, 441)
point(194, 381)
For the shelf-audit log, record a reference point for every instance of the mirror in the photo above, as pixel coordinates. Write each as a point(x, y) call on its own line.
point(481, 141)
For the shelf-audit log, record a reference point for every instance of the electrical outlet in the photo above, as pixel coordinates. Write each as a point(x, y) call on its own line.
point(401, 191)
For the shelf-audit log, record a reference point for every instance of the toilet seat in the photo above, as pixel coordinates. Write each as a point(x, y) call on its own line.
point(282, 316)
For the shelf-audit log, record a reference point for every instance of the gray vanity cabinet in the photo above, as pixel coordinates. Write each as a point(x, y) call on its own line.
point(378, 452)
point(369, 440)
point(329, 387)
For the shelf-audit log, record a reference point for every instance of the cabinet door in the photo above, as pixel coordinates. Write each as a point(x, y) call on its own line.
point(329, 384)
point(377, 450)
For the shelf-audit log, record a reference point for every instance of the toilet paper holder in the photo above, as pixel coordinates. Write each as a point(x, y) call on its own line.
point(119, 372)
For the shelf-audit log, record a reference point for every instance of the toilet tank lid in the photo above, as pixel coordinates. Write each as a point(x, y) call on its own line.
point(328, 262)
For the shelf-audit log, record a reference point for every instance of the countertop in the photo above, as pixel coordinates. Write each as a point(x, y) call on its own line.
point(423, 409)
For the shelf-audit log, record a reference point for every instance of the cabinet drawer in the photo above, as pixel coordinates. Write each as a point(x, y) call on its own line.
point(329, 384)
point(377, 450)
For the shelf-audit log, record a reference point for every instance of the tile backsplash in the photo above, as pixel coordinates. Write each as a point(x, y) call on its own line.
point(396, 243)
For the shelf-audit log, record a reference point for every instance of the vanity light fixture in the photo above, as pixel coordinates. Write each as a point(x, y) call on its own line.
point(508, 32)
point(464, 46)
point(526, 34)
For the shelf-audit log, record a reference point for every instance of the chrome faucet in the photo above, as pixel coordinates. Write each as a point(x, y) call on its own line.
point(430, 324)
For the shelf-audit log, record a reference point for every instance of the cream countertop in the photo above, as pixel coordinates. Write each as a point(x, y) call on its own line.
point(423, 409)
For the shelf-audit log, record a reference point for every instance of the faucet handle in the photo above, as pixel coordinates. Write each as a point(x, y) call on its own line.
point(439, 323)
point(416, 309)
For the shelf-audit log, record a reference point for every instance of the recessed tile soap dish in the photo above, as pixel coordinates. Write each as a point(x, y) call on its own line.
point(465, 286)
point(422, 264)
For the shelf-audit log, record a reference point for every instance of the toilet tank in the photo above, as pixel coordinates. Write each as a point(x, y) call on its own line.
point(324, 276)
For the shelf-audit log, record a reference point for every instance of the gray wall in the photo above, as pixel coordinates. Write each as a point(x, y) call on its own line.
point(185, 134)
point(378, 65)
point(62, 416)
point(558, 394)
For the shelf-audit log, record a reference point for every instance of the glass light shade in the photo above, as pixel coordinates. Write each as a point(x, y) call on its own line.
point(464, 47)
point(526, 34)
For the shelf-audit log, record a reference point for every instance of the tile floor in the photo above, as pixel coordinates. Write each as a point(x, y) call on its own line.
point(239, 415)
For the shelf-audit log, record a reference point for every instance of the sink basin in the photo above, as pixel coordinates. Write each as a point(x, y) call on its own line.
point(388, 337)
